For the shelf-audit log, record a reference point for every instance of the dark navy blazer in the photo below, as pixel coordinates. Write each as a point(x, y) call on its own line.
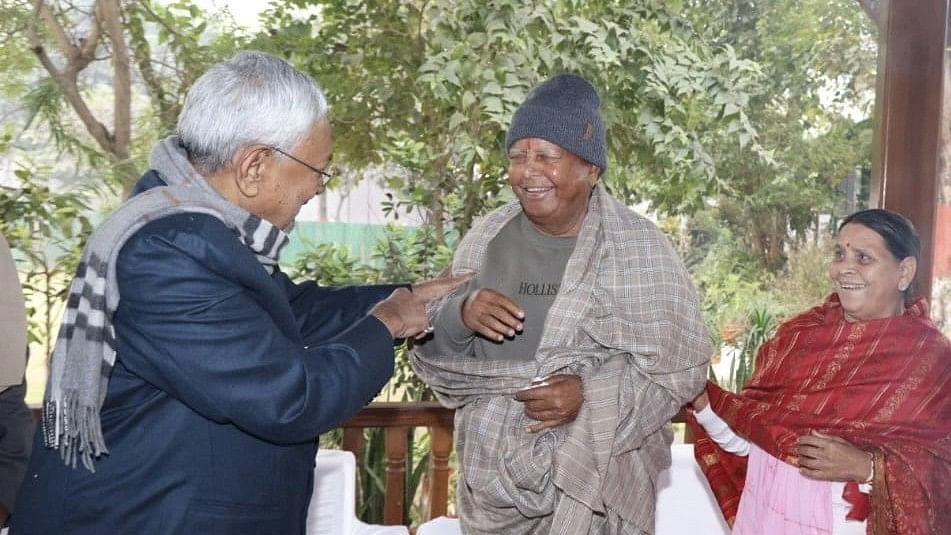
point(224, 377)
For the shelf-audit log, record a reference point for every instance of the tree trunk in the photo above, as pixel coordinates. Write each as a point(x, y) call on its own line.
point(78, 54)
point(110, 15)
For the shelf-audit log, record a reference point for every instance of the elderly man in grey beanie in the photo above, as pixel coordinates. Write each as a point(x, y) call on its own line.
point(577, 340)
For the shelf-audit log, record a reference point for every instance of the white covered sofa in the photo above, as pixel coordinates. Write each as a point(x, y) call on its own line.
point(685, 505)
point(332, 508)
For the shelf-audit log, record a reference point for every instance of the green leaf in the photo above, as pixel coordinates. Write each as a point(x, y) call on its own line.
point(456, 120)
point(492, 105)
point(476, 40)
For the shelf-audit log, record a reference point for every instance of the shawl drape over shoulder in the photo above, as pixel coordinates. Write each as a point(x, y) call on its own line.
point(883, 385)
point(628, 322)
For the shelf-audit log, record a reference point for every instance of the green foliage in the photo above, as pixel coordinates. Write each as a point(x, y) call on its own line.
point(734, 101)
point(409, 254)
point(804, 281)
point(744, 314)
point(431, 86)
point(727, 277)
point(329, 264)
point(46, 106)
point(373, 475)
point(372, 478)
point(172, 44)
point(818, 63)
point(762, 326)
point(15, 58)
point(47, 230)
point(404, 255)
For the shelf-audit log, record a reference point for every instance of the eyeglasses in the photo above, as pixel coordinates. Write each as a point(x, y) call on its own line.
point(325, 176)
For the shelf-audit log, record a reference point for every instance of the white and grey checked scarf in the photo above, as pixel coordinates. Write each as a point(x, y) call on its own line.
point(85, 349)
point(626, 320)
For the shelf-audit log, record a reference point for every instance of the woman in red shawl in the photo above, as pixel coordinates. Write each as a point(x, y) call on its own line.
point(845, 427)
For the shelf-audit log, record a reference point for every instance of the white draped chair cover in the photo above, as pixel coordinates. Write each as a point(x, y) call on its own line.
point(685, 504)
point(332, 508)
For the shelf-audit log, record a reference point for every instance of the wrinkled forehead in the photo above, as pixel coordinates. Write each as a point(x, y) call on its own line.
point(319, 144)
point(858, 235)
point(534, 144)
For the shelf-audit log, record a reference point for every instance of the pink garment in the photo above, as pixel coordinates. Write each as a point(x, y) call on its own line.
point(778, 500)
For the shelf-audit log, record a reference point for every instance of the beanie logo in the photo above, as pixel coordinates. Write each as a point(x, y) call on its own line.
point(588, 132)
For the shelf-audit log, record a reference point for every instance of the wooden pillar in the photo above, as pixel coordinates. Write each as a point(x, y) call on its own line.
point(908, 112)
point(441, 449)
point(394, 506)
point(353, 441)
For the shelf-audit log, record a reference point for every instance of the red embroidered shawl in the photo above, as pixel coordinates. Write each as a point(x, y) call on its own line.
point(884, 385)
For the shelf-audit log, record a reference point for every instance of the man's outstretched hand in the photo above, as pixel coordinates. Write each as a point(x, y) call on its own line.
point(404, 311)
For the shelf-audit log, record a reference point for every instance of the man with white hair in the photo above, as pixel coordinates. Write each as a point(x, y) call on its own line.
point(191, 377)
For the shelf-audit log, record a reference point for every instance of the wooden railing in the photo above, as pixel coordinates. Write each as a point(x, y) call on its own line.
point(397, 419)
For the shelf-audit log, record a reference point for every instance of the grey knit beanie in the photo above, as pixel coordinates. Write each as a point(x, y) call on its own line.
point(563, 110)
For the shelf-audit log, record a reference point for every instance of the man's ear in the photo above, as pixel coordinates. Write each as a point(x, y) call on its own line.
point(594, 174)
point(251, 165)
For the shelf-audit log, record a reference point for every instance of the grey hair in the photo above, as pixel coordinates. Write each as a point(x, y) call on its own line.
point(251, 98)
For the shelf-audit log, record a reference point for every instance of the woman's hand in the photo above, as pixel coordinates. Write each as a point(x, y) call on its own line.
point(831, 458)
point(491, 314)
point(552, 401)
point(701, 402)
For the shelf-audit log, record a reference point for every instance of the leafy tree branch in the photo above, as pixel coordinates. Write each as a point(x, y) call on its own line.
point(78, 53)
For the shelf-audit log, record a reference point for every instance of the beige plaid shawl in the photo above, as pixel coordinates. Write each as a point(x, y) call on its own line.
point(628, 322)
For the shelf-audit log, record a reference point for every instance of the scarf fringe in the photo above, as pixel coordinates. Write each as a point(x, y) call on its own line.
point(74, 429)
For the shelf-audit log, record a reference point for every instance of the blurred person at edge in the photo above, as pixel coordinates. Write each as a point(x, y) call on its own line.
point(574, 345)
point(845, 425)
point(16, 422)
point(195, 401)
